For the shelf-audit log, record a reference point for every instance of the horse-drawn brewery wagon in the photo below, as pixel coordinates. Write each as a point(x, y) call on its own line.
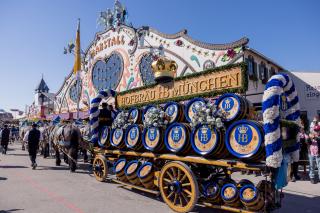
point(184, 138)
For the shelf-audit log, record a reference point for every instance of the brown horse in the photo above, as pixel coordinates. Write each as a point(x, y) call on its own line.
point(66, 138)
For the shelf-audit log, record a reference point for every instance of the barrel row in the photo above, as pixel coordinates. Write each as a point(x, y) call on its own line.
point(135, 172)
point(236, 108)
point(243, 139)
point(237, 194)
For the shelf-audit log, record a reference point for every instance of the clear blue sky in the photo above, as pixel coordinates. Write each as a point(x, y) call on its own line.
point(34, 32)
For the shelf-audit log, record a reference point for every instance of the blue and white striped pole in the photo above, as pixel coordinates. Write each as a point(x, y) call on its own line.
point(94, 113)
point(278, 85)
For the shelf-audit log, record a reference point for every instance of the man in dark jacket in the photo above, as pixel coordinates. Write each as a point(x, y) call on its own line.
point(105, 116)
point(33, 138)
point(5, 136)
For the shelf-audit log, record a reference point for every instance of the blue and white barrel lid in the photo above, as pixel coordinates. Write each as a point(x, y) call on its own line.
point(132, 135)
point(131, 167)
point(248, 193)
point(134, 114)
point(116, 136)
point(191, 107)
point(204, 139)
point(151, 138)
point(244, 138)
point(211, 189)
point(175, 137)
point(172, 110)
point(231, 104)
point(119, 165)
point(229, 191)
point(145, 169)
point(104, 136)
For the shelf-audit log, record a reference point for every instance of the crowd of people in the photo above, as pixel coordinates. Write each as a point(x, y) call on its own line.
point(309, 151)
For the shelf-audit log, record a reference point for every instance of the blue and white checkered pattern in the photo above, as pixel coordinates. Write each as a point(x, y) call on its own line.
point(94, 113)
point(278, 85)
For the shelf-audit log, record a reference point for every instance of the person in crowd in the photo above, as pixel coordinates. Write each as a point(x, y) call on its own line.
point(315, 122)
point(303, 138)
point(33, 138)
point(314, 153)
point(5, 137)
point(105, 116)
point(113, 112)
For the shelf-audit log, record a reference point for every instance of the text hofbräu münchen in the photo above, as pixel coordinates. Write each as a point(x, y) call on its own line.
point(226, 79)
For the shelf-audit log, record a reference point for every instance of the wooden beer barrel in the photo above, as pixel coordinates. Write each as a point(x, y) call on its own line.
point(244, 139)
point(175, 111)
point(146, 175)
point(230, 195)
point(236, 107)
point(208, 142)
point(131, 172)
point(251, 197)
point(133, 137)
point(119, 167)
point(152, 139)
point(211, 190)
point(147, 109)
point(190, 108)
point(177, 138)
point(117, 138)
point(135, 115)
point(104, 138)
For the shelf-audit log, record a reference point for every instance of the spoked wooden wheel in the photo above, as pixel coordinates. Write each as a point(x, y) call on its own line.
point(178, 186)
point(100, 169)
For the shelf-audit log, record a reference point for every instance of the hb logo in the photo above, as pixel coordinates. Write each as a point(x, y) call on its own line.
point(133, 133)
point(243, 136)
point(152, 134)
point(204, 135)
point(227, 104)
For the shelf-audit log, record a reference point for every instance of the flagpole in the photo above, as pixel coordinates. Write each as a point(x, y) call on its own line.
point(78, 74)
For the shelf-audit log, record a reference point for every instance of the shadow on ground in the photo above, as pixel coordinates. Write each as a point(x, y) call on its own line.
point(13, 167)
point(10, 210)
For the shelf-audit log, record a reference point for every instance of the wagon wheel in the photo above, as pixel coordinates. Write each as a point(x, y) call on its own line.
point(100, 168)
point(178, 186)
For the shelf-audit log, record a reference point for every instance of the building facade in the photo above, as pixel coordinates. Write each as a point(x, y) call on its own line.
point(120, 57)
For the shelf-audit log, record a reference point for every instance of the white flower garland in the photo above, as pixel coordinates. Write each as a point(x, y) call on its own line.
point(156, 117)
point(209, 115)
point(122, 120)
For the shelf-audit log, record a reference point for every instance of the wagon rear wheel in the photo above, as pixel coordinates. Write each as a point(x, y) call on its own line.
point(100, 168)
point(178, 186)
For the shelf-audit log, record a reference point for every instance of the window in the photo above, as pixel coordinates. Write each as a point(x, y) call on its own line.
point(263, 72)
point(252, 67)
point(272, 72)
point(106, 74)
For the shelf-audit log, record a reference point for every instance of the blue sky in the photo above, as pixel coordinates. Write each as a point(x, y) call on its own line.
point(34, 32)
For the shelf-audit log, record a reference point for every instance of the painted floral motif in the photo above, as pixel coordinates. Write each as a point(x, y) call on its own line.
point(230, 54)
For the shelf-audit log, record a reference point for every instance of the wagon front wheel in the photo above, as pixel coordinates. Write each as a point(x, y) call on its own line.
point(178, 186)
point(100, 168)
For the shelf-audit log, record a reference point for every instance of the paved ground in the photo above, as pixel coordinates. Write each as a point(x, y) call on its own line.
point(53, 189)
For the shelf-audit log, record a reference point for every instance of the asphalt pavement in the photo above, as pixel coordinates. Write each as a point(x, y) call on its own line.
point(53, 189)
